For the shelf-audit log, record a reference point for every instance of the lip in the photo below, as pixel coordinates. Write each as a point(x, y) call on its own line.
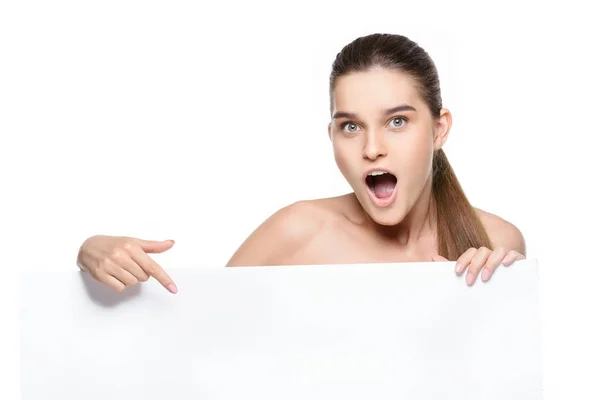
point(377, 169)
point(376, 200)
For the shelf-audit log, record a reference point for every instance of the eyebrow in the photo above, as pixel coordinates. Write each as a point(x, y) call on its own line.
point(404, 107)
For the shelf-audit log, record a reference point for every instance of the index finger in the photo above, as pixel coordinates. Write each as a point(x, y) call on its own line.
point(153, 269)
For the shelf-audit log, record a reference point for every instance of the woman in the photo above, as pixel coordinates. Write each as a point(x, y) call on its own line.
point(387, 130)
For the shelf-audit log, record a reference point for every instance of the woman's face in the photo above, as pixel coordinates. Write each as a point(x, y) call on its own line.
point(383, 139)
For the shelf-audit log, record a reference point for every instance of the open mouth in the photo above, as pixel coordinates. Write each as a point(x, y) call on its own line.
point(382, 184)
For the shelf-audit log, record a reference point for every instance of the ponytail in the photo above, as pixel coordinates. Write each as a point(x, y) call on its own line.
point(458, 226)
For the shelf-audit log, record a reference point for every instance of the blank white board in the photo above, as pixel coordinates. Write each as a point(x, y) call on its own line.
point(378, 331)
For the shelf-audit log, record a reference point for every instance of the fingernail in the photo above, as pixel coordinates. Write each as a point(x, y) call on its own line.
point(485, 275)
point(505, 261)
point(458, 267)
point(172, 288)
point(470, 278)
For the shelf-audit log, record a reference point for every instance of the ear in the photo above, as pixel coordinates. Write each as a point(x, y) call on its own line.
point(329, 130)
point(442, 128)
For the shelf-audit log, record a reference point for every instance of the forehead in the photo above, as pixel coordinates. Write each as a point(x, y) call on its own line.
point(374, 89)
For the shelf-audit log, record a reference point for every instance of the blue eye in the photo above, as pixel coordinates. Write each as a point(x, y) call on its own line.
point(398, 122)
point(352, 127)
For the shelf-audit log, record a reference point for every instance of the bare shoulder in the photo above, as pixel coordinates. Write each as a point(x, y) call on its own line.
point(285, 232)
point(501, 232)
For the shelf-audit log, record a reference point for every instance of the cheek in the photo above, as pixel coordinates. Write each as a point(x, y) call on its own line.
point(415, 159)
point(424, 162)
point(344, 159)
point(340, 159)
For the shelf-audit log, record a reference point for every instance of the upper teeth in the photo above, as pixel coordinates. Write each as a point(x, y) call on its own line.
point(374, 173)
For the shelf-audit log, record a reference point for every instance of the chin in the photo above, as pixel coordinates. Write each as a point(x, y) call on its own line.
point(390, 215)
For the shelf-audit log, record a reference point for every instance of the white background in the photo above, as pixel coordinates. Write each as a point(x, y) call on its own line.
point(175, 120)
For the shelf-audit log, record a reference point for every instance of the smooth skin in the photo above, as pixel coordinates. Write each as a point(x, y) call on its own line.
point(378, 121)
point(119, 261)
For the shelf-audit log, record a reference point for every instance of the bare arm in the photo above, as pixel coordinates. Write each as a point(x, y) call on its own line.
point(508, 245)
point(502, 233)
point(280, 236)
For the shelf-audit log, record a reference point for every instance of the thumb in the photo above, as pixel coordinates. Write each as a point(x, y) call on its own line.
point(152, 246)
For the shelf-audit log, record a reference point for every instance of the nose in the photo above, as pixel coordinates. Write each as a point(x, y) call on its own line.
point(374, 146)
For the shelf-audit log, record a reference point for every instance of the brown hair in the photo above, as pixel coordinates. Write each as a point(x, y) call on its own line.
point(458, 226)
